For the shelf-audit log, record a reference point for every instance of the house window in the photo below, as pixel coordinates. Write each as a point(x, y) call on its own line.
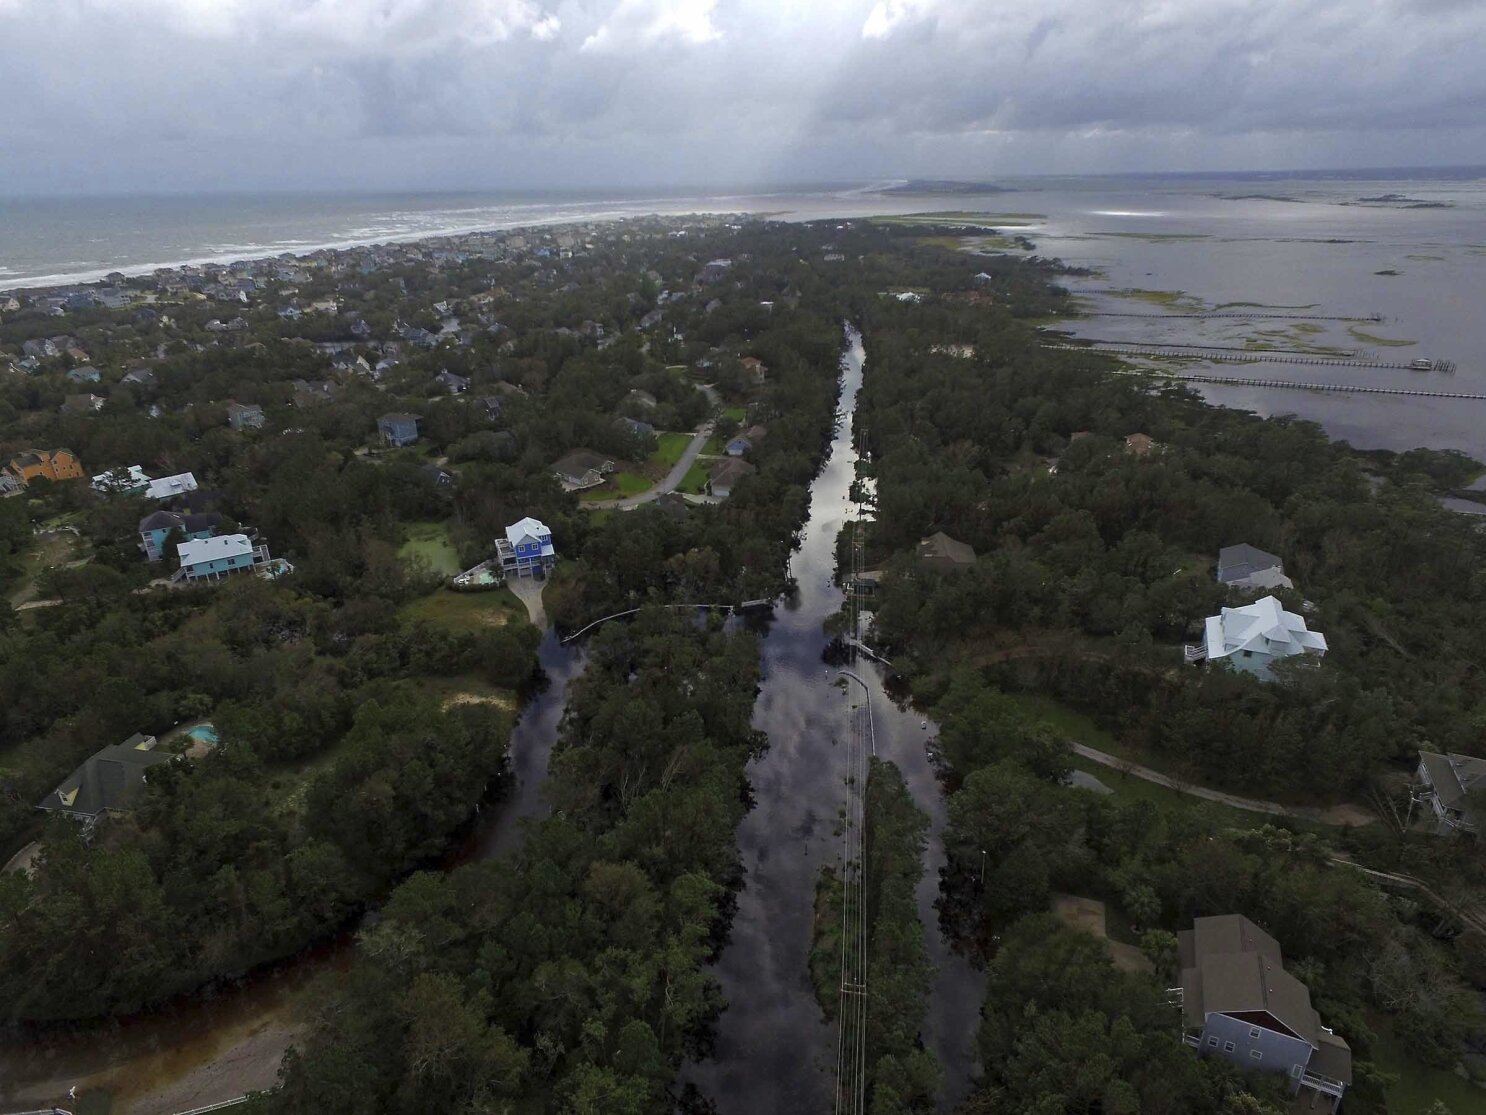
point(1212, 1042)
point(1296, 1070)
point(1227, 1047)
point(1255, 1055)
point(1253, 1033)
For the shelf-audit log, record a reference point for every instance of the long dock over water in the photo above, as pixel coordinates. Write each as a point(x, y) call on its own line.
point(1218, 355)
point(1240, 381)
point(1374, 318)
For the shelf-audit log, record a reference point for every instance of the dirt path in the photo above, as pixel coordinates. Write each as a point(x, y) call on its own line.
point(528, 590)
point(1342, 815)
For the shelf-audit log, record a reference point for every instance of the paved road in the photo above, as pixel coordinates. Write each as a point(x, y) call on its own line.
point(669, 484)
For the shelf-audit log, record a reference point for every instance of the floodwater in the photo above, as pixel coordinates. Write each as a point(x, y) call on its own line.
point(1308, 247)
point(774, 1051)
point(214, 1046)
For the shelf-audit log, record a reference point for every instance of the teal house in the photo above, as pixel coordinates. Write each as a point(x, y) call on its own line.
point(154, 529)
point(211, 559)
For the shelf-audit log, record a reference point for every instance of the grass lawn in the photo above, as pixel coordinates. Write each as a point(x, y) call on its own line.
point(737, 414)
point(430, 541)
point(619, 486)
point(1419, 1085)
point(715, 446)
point(669, 447)
point(47, 552)
point(467, 611)
point(695, 480)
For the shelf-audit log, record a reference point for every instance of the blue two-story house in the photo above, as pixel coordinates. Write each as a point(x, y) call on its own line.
point(526, 550)
point(211, 559)
point(155, 528)
point(1240, 1004)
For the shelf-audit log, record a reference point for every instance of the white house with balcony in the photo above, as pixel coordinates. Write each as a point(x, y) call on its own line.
point(1254, 637)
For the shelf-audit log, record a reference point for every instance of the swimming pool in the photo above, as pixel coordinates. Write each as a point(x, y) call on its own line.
point(205, 733)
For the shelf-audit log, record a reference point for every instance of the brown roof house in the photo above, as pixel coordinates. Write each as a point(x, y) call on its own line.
point(1239, 1003)
point(109, 782)
point(726, 476)
point(944, 554)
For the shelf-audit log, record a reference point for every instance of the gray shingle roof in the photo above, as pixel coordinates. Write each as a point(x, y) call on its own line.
point(1237, 562)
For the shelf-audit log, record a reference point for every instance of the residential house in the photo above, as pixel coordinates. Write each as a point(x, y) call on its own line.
point(1454, 788)
point(156, 527)
point(309, 392)
point(1245, 566)
point(126, 480)
point(110, 781)
point(726, 475)
point(350, 363)
point(85, 374)
point(745, 441)
point(82, 404)
point(526, 550)
point(582, 468)
point(54, 464)
point(169, 487)
point(9, 485)
point(139, 377)
point(1140, 445)
point(944, 554)
point(438, 477)
point(244, 416)
point(398, 430)
point(715, 271)
point(1255, 636)
point(638, 428)
point(452, 383)
point(211, 559)
point(491, 405)
point(755, 369)
point(1239, 1003)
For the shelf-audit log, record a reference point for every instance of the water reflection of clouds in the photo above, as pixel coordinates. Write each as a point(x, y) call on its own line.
point(1128, 213)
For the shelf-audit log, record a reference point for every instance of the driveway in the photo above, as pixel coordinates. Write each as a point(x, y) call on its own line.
point(669, 484)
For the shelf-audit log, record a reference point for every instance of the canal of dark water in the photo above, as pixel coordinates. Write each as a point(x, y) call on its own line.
point(775, 1052)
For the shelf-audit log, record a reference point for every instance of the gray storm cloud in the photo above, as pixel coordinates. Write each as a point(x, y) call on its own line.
point(182, 94)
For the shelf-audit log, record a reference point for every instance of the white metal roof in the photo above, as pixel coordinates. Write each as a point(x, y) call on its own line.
point(527, 527)
point(168, 486)
point(213, 549)
point(1262, 627)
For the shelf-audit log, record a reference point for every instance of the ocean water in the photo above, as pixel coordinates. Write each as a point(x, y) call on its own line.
point(1309, 244)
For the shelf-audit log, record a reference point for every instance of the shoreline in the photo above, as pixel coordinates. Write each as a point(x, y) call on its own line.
point(300, 250)
point(720, 205)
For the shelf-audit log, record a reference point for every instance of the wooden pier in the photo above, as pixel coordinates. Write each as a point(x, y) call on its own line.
point(1242, 356)
point(1234, 315)
point(1239, 381)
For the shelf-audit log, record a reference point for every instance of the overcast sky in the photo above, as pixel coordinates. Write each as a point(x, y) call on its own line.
point(146, 95)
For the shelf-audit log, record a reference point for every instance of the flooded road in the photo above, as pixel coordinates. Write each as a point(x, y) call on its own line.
point(216, 1045)
point(775, 1052)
